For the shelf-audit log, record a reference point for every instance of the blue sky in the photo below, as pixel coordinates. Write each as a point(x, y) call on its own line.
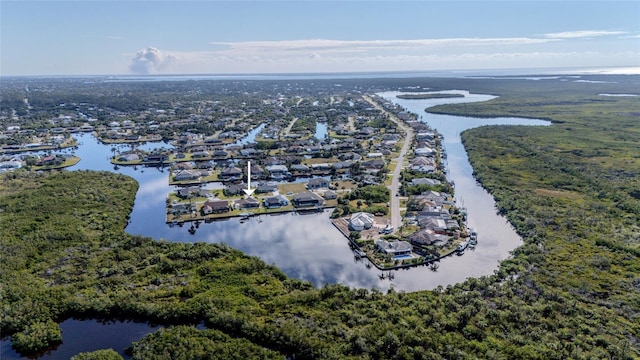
point(218, 37)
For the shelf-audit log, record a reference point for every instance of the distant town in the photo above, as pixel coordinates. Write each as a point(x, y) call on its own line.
point(381, 170)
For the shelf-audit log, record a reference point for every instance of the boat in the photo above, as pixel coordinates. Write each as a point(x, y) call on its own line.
point(473, 237)
point(461, 247)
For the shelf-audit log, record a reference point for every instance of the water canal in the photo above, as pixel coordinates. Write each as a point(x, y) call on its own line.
point(323, 255)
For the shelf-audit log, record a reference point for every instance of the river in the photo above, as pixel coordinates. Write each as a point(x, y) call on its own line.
point(322, 255)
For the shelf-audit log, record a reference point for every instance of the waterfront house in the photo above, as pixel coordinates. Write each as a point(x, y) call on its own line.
point(266, 187)
point(257, 172)
point(360, 221)
point(128, 157)
point(248, 203)
point(185, 175)
point(299, 168)
point(425, 181)
point(452, 226)
point(438, 197)
point(191, 192)
point(180, 209)
point(274, 202)
point(156, 158)
point(50, 160)
point(215, 207)
point(234, 189)
point(424, 151)
point(321, 167)
point(307, 199)
point(427, 237)
point(439, 226)
point(200, 154)
point(425, 136)
point(230, 173)
point(183, 166)
point(394, 248)
point(277, 172)
point(318, 183)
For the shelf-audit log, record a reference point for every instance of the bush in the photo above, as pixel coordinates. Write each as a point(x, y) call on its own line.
point(36, 337)
point(105, 354)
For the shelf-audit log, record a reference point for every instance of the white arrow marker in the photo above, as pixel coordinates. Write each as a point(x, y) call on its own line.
point(249, 191)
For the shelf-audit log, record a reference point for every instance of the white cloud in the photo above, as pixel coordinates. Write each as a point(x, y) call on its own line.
point(325, 55)
point(325, 45)
point(582, 34)
point(150, 61)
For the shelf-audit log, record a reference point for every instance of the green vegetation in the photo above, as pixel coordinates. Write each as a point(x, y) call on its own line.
point(571, 291)
point(107, 354)
point(370, 193)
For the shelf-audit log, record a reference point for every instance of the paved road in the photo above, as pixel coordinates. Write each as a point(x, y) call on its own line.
point(396, 218)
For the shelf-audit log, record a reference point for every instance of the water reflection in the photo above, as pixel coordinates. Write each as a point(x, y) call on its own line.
point(308, 247)
point(88, 335)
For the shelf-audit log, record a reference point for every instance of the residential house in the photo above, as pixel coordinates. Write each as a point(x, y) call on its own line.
point(248, 152)
point(184, 175)
point(230, 173)
point(191, 192)
point(372, 166)
point(360, 221)
point(200, 154)
point(277, 172)
point(427, 237)
point(299, 168)
point(350, 156)
point(49, 160)
point(266, 187)
point(183, 166)
point(181, 209)
point(219, 154)
point(321, 167)
point(424, 151)
point(395, 247)
point(246, 203)
point(128, 157)
point(329, 195)
point(439, 226)
point(215, 207)
point(425, 181)
point(156, 158)
point(234, 189)
point(274, 202)
point(318, 183)
point(257, 172)
point(425, 136)
point(307, 199)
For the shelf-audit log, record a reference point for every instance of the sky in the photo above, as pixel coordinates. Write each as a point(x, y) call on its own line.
point(101, 37)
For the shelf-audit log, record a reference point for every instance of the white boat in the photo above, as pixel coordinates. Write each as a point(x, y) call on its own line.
point(462, 246)
point(473, 237)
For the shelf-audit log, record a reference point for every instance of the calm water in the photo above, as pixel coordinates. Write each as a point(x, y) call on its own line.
point(308, 247)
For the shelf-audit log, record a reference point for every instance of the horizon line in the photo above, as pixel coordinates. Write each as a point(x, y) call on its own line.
point(590, 70)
